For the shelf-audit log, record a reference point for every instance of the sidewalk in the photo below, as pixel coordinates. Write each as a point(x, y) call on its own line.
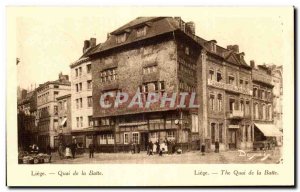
point(194, 157)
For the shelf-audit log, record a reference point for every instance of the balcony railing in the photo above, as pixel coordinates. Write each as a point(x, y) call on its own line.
point(229, 87)
point(236, 114)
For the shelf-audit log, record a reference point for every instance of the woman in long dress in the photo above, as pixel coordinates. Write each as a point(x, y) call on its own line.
point(68, 152)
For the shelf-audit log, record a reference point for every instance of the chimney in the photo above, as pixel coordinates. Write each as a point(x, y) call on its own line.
point(252, 63)
point(108, 35)
point(234, 48)
point(93, 42)
point(86, 45)
point(190, 27)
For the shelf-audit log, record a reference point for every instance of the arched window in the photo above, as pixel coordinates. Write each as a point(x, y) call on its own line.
point(256, 110)
point(219, 102)
point(263, 111)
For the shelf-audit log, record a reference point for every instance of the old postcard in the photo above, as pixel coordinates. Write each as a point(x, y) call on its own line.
point(141, 96)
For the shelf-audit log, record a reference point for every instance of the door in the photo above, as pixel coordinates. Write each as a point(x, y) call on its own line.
point(232, 138)
point(144, 141)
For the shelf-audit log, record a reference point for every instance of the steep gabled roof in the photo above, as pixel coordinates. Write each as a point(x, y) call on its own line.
point(158, 26)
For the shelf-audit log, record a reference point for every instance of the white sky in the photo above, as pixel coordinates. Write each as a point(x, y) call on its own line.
point(48, 40)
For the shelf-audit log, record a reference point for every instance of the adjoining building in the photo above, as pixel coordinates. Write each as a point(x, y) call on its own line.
point(64, 121)
point(27, 127)
point(81, 97)
point(263, 104)
point(47, 109)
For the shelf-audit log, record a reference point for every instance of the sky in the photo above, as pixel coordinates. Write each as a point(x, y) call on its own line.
point(49, 40)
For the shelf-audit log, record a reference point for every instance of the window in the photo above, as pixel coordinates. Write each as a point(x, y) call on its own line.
point(211, 102)
point(247, 108)
point(231, 104)
point(219, 102)
point(171, 135)
point(88, 68)
point(256, 111)
point(213, 47)
point(162, 85)
point(211, 74)
point(221, 132)
point(76, 72)
point(55, 110)
point(81, 121)
point(262, 94)
point(242, 107)
point(108, 75)
point(135, 138)
point(140, 32)
point(126, 138)
point(90, 121)
point(187, 50)
point(270, 112)
point(80, 86)
point(246, 84)
point(219, 77)
point(110, 139)
point(77, 88)
point(90, 101)
point(80, 102)
point(264, 112)
point(80, 71)
point(255, 92)
point(121, 38)
point(77, 121)
point(231, 80)
point(241, 82)
point(102, 139)
point(77, 103)
point(150, 69)
point(65, 105)
point(89, 84)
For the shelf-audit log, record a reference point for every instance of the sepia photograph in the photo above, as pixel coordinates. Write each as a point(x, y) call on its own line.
point(138, 88)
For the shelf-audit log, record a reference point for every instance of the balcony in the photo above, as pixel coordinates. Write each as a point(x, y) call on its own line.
point(235, 114)
point(229, 87)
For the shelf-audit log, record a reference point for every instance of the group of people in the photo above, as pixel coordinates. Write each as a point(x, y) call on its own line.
point(68, 151)
point(159, 148)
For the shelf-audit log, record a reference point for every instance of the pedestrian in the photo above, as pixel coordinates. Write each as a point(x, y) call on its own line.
point(61, 150)
point(170, 146)
point(217, 146)
point(157, 146)
point(150, 148)
point(68, 152)
point(173, 146)
point(49, 151)
point(73, 149)
point(203, 148)
point(92, 150)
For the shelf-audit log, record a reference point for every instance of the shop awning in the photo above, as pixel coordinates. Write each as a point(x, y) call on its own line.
point(269, 130)
point(233, 126)
point(63, 122)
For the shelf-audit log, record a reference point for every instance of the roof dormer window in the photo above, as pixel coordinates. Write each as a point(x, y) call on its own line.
point(213, 47)
point(121, 38)
point(141, 31)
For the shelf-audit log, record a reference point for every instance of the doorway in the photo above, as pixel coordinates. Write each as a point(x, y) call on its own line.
point(232, 134)
point(144, 141)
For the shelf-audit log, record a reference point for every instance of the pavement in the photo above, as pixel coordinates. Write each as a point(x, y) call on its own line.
point(193, 157)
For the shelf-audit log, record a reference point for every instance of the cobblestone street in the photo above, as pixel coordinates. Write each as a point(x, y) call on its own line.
point(195, 157)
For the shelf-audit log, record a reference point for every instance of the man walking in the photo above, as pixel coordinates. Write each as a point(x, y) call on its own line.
point(73, 149)
point(217, 146)
point(92, 150)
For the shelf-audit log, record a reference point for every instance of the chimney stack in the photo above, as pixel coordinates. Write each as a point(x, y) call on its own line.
point(86, 45)
point(93, 42)
point(252, 63)
point(190, 27)
point(234, 48)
